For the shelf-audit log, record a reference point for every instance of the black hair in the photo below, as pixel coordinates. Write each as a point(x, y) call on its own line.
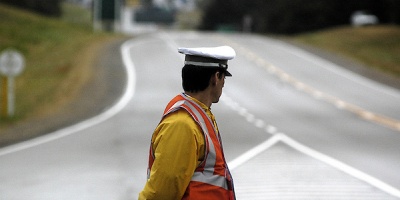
point(197, 78)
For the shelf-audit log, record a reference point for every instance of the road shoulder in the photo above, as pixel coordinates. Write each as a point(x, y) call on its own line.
point(108, 83)
point(105, 87)
point(352, 65)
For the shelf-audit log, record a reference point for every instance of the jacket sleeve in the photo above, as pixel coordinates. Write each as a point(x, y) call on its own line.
point(177, 144)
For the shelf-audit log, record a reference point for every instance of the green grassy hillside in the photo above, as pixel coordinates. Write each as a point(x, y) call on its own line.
point(374, 46)
point(59, 56)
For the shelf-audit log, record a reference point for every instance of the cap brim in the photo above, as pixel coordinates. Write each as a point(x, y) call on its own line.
point(227, 73)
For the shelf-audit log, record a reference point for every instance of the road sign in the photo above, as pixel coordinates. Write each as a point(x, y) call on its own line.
point(11, 63)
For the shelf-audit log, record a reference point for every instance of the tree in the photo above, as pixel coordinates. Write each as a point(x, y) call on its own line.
point(221, 13)
point(294, 16)
point(45, 7)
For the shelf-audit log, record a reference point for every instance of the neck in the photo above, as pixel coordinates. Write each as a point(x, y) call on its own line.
point(203, 97)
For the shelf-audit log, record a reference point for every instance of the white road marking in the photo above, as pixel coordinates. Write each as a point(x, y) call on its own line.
point(281, 137)
point(319, 95)
point(254, 152)
point(282, 172)
point(122, 102)
point(338, 70)
point(271, 129)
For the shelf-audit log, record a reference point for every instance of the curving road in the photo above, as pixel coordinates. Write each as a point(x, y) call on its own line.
point(294, 126)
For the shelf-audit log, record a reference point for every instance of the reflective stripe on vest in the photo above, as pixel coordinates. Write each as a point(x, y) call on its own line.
point(207, 175)
point(205, 172)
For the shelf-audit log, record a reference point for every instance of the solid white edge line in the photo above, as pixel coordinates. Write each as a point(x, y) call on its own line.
point(341, 166)
point(280, 137)
point(308, 151)
point(122, 102)
point(254, 151)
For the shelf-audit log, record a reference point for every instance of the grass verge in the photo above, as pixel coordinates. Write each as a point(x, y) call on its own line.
point(58, 56)
point(374, 46)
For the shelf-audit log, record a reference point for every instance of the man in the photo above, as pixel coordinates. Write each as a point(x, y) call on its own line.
point(186, 158)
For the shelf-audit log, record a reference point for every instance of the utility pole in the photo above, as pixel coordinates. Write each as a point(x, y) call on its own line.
point(107, 15)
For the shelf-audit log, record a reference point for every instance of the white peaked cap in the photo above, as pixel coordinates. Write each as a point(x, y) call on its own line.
point(220, 53)
point(209, 57)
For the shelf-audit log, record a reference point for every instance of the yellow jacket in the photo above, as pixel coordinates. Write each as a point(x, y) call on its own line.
point(178, 146)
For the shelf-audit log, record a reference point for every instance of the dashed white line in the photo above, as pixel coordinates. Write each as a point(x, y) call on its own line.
point(271, 129)
point(281, 137)
point(340, 104)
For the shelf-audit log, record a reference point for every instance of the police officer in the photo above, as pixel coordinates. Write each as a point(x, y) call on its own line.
point(186, 159)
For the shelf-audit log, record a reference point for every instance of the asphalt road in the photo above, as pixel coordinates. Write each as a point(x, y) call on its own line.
point(294, 126)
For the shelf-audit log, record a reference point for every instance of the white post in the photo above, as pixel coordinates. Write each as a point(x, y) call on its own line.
point(96, 15)
point(117, 17)
point(12, 63)
point(11, 97)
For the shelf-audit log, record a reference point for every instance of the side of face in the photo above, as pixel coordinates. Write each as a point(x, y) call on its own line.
point(217, 83)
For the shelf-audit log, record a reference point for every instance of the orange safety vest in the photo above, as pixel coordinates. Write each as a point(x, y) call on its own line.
point(212, 179)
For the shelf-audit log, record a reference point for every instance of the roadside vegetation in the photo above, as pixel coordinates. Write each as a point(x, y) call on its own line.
point(59, 54)
point(374, 46)
point(292, 16)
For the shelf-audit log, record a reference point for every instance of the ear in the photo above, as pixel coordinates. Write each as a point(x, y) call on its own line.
point(214, 78)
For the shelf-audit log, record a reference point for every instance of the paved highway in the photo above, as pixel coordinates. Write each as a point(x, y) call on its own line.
point(294, 126)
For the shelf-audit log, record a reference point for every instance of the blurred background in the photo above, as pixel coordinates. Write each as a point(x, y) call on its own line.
point(73, 71)
point(261, 16)
point(52, 33)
